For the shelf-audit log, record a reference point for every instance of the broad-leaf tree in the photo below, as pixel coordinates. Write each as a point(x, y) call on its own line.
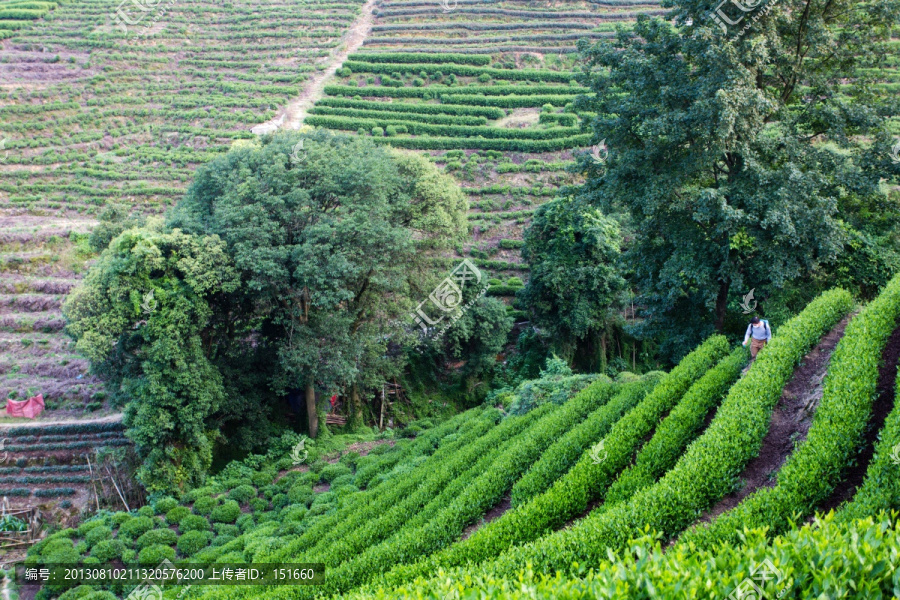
point(329, 235)
point(736, 151)
point(573, 254)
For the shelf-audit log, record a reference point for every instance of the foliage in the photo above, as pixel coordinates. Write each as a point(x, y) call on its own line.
point(572, 251)
point(733, 153)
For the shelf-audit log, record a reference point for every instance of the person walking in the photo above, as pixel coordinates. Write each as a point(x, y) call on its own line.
point(760, 333)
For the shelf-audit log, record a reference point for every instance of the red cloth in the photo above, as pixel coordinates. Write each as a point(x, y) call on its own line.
point(26, 408)
point(333, 400)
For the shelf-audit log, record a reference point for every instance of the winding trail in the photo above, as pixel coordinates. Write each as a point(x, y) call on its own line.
point(292, 115)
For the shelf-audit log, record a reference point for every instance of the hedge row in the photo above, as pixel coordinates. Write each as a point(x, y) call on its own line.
point(425, 109)
point(711, 465)
point(562, 455)
point(492, 39)
point(587, 480)
point(68, 445)
point(475, 26)
point(370, 504)
point(881, 487)
point(457, 469)
point(64, 429)
point(48, 493)
point(826, 559)
point(424, 444)
point(448, 143)
point(488, 482)
point(434, 91)
point(352, 124)
point(678, 429)
point(511, 101)
point(815, 468)
point(408, 116)
point(46, 479)
point(438, 58)
point(537, 14)
point(563, 119)
point(464, 71)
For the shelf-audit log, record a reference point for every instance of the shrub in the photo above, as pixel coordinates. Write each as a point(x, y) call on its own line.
point(153, 555)
point(107, 550)
point(204, 505)
point(192, 542)
point(258, 504)
point(137, 526)
point(242, 493)
point(164, 505)
point(97, 534)
point(377, 131)
point(227, 512)
point(174, 516)
point(120, 517)
point(331, 472)
point(193, 523)
point(390, 131)
point(300, 494)
point(156, 536)
point(146, 511)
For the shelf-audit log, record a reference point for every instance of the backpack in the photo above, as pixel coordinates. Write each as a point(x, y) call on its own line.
point(765, 323)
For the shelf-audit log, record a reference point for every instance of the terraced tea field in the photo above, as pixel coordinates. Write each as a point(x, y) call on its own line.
point(92, 113)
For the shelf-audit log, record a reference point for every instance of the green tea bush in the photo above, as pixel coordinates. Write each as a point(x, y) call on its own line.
point(137, 526)
point(153, 555)
point(174, 516)
point(242, 493)
point(155, 537)
point(97, 534)
point(204, 505)
point(300, 494)
point(193, 523)
point(191, 542)
point(227, 512)
point(107, 550)
point(164, 505)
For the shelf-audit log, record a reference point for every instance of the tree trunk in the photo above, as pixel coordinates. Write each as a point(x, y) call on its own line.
point(381, 416)
point(721, 305)
point(312, 418)
point(356, 405)
point(603, 352)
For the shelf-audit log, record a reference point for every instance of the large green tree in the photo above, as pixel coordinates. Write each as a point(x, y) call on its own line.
point(572, 251)
point(145, 318)
point(735, 152)
point(330, 235)
point(292, 263)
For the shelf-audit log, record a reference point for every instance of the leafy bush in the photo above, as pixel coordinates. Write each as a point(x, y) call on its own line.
point(175, 515)
point(242, 493)
point(377, 131)
point(137, 526)
point(164, 505)
point(97, 534)
point(204, 505)
point(191, 542)
point(153, 555)
point(107, 550)
point(193, 523)
point(227, 512)
point(155, 537)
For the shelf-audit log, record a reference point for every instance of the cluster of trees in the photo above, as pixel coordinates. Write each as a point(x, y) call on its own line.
point(286, 267)
point(747, 159)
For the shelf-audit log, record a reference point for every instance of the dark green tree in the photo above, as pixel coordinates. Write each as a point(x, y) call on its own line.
point(572, 251)
point(145, 318)
point(735, 152)
point(330, 235)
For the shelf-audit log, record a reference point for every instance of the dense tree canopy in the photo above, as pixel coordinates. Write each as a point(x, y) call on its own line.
point(736, 152)
point(572, 251)
point(297, 262)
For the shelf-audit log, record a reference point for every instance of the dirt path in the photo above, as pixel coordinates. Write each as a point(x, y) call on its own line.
point(790, 422)
point(31, 423)
point(292, 115)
